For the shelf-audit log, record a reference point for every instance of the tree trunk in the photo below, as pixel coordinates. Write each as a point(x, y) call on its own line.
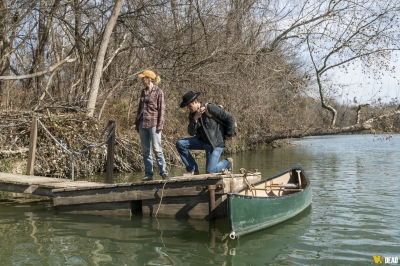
point(4, 46)
point(45, 22)
point(175, 13)
point(94, 89)
point(38, 59)
point(78, 86)
point(332, 110)
point(359, 112)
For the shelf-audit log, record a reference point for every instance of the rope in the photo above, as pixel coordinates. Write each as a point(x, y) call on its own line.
point(15, 125)
point(162, 232)
point(249, 185)
point(85, 150)
point(162, 194)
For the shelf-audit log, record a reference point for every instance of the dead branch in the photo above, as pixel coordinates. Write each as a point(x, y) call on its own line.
point(40, 73)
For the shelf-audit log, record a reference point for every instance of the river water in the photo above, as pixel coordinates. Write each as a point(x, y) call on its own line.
point(354, 216)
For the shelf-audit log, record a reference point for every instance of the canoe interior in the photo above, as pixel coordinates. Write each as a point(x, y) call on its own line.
point(283, 184)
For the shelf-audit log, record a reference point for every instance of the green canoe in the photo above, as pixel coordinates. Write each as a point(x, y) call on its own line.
point(268, 201)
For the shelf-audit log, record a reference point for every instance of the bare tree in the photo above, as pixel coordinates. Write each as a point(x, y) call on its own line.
point(364, 36)
point(46, 16)
point(13, 17)
point(339, 33)
point(175, 13)
point(100, 57)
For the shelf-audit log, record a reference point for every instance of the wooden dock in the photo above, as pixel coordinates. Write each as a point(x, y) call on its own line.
point(199, 196)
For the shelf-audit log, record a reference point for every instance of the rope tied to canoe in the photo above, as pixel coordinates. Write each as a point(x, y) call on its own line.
point(249, 185)
point(111, 130)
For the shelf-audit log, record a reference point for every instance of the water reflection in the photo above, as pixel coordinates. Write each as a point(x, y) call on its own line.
point(156, 241)
point(62, 239)
point(264, 247)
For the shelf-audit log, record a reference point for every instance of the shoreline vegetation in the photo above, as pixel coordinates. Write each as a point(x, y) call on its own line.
point(77, 131)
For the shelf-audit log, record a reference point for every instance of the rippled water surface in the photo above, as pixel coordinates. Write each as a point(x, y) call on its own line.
point(354, 216)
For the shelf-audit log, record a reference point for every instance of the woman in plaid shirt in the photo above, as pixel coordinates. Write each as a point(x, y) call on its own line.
point(150, 122)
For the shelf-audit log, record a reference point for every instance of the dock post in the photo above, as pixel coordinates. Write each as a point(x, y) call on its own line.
point(32, 147)
point(211, 190)
point(110, 156)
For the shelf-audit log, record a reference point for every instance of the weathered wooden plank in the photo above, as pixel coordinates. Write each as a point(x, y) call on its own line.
point(184, 207)
point(111, 185)
point(27, 189)
point(67, 183)
point(123, 184)
point(124, 194)
point(149, 186)
point(25, 177)
point(44, 182)
point(138, 184)
point(29, 181)
point(112, 208)
point(150, 182)
point(180, 179)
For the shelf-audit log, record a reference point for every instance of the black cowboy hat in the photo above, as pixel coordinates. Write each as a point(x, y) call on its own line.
point(189, 97)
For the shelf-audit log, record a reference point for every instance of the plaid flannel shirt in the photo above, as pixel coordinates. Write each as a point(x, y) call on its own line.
point(151, 109)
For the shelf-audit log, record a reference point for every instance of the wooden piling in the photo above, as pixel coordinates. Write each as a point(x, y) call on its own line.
point(211, 191)
point(32, 147)
point(110, 155)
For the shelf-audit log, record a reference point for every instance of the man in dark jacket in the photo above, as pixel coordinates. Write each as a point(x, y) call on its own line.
point(210, 125)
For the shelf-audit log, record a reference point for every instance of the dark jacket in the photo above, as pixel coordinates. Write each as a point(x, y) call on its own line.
point(214, 130)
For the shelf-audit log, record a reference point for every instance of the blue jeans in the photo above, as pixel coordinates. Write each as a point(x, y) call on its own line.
point(212, 155)
point(150, 138)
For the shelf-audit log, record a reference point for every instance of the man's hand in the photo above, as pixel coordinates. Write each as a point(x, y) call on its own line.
point(198, 113)
point(228, 138)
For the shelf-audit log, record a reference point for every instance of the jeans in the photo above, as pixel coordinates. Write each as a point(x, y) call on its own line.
point(150, 138)
point(212, 155)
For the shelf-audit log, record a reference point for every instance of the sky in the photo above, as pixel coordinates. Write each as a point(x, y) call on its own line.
point(362, 88)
